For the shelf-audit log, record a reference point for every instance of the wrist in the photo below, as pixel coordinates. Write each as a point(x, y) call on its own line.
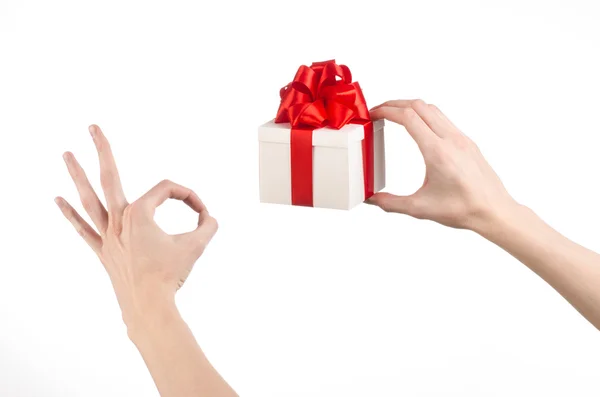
point(501, 219)
point(147, 311)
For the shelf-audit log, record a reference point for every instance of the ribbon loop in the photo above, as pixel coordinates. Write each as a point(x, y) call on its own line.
point(318, 96)
point(308, 114)
point(328, 87)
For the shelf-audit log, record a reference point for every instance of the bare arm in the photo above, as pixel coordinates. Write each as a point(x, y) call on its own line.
point(461, 190)
point(146, 267)
point(572, 270)
point(175, 360)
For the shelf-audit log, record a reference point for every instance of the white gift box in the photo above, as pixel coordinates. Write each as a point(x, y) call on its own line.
point(338, 177)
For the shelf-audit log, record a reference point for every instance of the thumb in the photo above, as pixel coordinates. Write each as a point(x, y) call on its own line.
point(198, 239)
point(393, 203)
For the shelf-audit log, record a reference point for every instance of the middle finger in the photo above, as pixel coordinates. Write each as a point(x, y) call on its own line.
point(109, 175)
point(440, 126)
point(89, 199)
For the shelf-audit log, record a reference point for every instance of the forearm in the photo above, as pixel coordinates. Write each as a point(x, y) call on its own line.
point(569, 268)
point(175, 360)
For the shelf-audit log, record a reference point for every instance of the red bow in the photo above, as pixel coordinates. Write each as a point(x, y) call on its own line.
point(322, 95)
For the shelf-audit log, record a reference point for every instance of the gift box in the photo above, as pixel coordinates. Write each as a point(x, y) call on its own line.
point(322, 149)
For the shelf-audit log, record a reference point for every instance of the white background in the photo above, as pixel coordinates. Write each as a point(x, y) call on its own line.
point(291, 301)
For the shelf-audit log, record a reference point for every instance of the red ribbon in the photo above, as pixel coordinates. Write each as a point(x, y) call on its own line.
point(322, 95)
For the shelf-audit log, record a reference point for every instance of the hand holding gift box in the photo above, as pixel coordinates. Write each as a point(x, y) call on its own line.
point(322, 149)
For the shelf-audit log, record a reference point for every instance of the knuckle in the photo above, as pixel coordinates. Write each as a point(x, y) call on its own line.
point(417, 215)
point(385, 205)
point(409, 113)
point(459, 139)
point(415, 211)
point(81, 231)
point(389, 113)
point(88, 203)
point(462, 142)
point(70, 212)
point(165, 182)
point(418, 103)
point(383, 111)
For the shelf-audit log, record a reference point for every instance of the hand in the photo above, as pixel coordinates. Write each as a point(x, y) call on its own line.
point(460, 189)
point(146, 265)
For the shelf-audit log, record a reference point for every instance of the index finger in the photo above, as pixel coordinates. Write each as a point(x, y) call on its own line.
point(396, 103)
point(170, 190)
point(407, 117)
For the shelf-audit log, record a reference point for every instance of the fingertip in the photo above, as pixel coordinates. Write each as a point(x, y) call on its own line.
point(418, 103)
point(389, 202)
point(210, 223)
point(93, 129)
point(373, 116)
point(376, 113)
point(207, 229)
point(371, 201)
point(215, 223)
point(67, 156)
point(59, 201)
point(376, 198)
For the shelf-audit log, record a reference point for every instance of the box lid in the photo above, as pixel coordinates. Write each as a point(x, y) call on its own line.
point(280, 133)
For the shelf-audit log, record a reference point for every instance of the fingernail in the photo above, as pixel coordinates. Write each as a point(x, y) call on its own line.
point(92, 129)
point(66, 157)
point(57, 201)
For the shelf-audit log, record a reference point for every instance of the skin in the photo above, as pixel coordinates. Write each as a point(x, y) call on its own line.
point(462, 191)
point(148, 266)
